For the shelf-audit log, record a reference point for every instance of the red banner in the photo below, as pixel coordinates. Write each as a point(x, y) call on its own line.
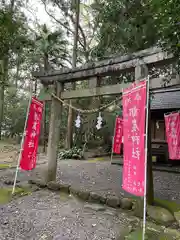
point(172, 123)
point(30, 146)
point(118, 135)
point(134, 118)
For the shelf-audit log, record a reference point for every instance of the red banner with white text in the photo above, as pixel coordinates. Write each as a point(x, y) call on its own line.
point(118, 135)
point(172, 123)
point(134, 118)
point(30, 146)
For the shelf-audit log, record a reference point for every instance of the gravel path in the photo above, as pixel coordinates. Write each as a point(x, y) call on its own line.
point(101, 177)
point(106, 178)
point(47, 215)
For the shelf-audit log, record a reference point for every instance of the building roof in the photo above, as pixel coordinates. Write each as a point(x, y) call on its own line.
point(166, 99)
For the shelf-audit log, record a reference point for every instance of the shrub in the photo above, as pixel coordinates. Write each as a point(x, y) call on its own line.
point(73, 153)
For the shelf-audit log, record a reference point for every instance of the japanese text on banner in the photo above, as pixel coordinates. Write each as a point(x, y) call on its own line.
point(30, 146)
point(118, 135)
point(134, 114)
point(172, 123)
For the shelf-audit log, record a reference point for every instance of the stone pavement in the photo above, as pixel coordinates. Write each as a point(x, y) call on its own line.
point(104, 178)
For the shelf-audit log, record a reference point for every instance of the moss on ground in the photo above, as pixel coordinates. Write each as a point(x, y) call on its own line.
point(150, 235)
point(6, 194)
point(4, 166)
point(64, 196)
point(96, 160)
point(172, 206)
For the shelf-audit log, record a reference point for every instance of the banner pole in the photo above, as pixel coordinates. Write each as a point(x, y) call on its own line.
point(146, 155)
point(22, 140)
point(113, 143)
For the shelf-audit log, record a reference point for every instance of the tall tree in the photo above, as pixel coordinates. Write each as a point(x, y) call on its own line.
point(12, 36)
point(69, 137)
point(50, 50)
point(85, 28)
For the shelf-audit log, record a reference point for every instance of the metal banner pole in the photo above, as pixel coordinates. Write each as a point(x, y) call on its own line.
point(112, 149)
point(146, 155)
point(113, 141)
point(22, 140)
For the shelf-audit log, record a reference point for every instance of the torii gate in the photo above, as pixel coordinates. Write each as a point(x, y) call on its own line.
point(138, 62)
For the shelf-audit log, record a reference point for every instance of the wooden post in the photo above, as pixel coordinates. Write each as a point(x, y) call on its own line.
point(141, 71)
point(54, 134)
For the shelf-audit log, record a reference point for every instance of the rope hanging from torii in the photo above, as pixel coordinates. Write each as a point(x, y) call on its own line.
point(94, 110)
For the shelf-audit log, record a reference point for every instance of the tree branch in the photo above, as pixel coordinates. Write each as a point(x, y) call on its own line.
point(61, 6)
point(61, 23)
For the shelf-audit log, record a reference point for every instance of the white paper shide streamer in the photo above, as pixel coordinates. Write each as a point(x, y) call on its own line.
point(99, 122)
point(78, 121)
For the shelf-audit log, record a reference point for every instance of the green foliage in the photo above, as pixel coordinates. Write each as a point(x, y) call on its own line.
point(167, 19)
point(23, 48)
point(49, 48)
point(14, 113)
point(73, 153)
point(125, 26)
point(12, 30)
point(128, 26)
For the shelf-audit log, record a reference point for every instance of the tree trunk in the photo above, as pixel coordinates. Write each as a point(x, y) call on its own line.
point(69, 137)
point(12, 3)
point(44, 132)
point(1, 108)
point(17, 70)
point(4, 77)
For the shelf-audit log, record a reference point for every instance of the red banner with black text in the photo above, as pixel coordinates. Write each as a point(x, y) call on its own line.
point(134, 118)
point(118, 133)
point(172, 124)
point(31, 140)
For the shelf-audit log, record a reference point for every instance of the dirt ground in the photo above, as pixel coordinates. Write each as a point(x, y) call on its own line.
point(8, 153)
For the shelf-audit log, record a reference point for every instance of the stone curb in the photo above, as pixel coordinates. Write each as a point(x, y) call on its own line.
point(109, 200)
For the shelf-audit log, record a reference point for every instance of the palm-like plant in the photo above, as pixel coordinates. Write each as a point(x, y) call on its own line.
point(50, 48)
point(50, 51)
